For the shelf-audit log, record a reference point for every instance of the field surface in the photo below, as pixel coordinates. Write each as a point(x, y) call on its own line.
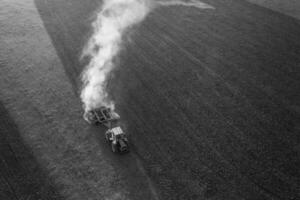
point(210, 100)
point(288, 7)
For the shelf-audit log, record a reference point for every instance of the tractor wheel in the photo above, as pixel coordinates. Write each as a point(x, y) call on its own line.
point(113, 147)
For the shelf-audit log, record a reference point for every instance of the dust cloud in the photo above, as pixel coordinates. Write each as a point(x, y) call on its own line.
point(104, 45)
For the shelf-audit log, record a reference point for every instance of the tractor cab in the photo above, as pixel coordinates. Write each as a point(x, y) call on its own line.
point(117, 139)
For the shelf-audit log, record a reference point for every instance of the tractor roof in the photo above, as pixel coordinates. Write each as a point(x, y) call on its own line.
point(117, 131)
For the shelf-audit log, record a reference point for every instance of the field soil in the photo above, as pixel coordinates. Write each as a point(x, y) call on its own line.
point(288, 7)
point(209, 98)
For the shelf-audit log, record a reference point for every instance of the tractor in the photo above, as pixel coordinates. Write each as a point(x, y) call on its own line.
point(117, 140)
point(114, 135)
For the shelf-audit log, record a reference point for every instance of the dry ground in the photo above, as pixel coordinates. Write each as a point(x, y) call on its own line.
point(209, 98)
point(45, 113)
point(288, 7)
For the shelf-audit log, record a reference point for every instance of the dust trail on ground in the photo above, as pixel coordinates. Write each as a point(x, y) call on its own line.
point(109, 28)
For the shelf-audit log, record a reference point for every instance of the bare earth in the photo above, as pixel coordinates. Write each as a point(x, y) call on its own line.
point(209, 98)
point(48, 117)
point(288, 7)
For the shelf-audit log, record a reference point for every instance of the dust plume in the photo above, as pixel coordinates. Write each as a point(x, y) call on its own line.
point(115, 17)
point(109, 27)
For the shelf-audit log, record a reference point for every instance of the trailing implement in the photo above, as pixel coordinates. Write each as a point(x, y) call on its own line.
point(114, 135)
